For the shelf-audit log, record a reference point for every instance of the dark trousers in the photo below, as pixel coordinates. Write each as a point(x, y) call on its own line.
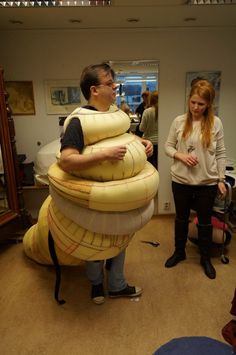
point(199, 198)
point(154, 158)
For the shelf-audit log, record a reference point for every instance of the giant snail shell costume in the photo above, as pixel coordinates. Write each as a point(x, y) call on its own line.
point(93, 214)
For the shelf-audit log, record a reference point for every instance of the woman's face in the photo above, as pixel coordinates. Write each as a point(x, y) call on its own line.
point(197, 107)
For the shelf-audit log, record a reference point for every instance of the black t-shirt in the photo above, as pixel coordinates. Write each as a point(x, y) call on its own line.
point(73, 137)
point(140, 109)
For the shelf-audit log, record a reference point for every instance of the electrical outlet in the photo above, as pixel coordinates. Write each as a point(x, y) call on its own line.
point(167, 206)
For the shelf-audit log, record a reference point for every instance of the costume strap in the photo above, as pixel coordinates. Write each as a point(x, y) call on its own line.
point(53, 254)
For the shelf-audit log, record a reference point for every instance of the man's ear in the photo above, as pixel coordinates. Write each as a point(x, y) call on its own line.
point(93, 91)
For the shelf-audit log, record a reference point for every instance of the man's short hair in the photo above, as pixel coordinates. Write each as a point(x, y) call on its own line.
point(90, 77)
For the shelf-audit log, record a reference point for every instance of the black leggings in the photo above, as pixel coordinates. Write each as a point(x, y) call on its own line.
point(199, 198)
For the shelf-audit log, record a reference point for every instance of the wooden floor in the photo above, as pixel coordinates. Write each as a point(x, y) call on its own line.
point(176, 302)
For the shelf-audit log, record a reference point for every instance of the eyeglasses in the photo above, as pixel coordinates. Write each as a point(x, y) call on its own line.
point(109, 83)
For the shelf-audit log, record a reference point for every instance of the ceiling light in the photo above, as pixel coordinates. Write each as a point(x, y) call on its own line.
point(133, 19)
point(190, 19)
point(211, 2)
point(74, 20)
point(138, 80)
point(16, 22)
point(55, 3)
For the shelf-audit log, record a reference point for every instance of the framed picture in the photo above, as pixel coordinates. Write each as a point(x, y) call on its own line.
point(21, 97)
point(62, 96)
point(214, 77)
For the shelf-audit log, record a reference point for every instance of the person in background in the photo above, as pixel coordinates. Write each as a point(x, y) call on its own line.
point(99, 89)
point(149, 126)
point(196, 144)
point(125, 107)
point(139, 110)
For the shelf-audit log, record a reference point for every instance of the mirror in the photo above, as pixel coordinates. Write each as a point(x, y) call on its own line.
point(135, 78)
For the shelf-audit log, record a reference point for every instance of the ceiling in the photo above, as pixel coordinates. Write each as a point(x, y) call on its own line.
point(143, 14)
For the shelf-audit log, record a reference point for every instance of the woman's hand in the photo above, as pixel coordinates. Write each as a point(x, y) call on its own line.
point(222, 189)
point(188, 159)
point(148, 147)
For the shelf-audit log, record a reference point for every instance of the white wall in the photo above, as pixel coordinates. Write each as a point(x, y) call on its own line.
point(44, 55)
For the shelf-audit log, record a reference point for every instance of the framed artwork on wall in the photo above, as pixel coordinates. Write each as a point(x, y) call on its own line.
point(214, 77)
point(62, 96)
point(21, 97)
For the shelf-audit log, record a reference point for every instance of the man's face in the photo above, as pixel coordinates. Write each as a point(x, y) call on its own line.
point(107, 87)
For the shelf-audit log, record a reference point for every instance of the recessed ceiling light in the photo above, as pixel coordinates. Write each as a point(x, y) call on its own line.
point(74, 20)
point(190, 19)
point(16, 22)
point(133, 19)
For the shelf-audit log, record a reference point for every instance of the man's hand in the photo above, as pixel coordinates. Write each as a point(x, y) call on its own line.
point(71, 159)
point(115, 153)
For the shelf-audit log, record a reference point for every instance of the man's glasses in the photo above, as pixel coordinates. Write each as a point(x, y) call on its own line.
point(110, 84)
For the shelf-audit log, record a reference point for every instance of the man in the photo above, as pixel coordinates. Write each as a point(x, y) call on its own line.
point(99, 89)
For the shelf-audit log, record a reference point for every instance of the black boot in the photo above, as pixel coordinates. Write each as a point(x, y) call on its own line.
point(205, 242)
point(181, 233)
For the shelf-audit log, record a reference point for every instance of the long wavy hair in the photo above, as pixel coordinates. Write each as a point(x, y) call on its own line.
point(206, 91)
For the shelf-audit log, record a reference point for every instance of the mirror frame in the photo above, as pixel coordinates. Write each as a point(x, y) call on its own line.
point(9, 156)
point(136, 67)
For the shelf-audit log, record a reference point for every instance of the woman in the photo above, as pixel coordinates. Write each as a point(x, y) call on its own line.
point(140, 109)
point(149, 126)
point(196, 142)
